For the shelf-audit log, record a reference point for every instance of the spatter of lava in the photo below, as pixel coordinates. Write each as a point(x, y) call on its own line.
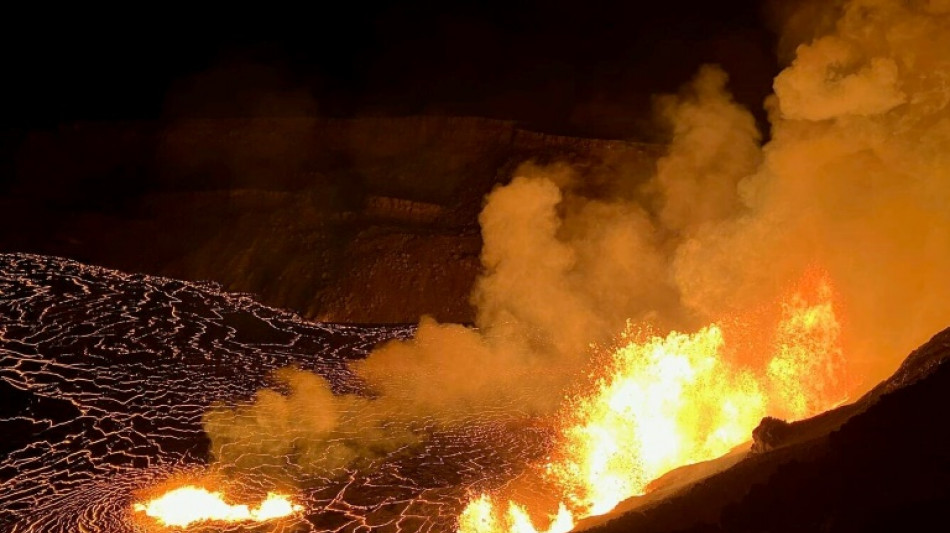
point(189, 504)
point(663, 402)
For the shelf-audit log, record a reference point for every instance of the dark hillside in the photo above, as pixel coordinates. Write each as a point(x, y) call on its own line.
point(362, 220)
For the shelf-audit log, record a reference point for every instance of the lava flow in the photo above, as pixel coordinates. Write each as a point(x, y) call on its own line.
point(113, 372)
point(666, 402)
point(190, 504)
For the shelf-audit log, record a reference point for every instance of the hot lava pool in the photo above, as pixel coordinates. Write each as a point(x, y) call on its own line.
point(106, 377)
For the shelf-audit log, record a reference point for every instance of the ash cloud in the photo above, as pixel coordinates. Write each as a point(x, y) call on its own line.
point(855, 180)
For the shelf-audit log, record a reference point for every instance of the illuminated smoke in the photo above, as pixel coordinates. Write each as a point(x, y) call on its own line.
point(658, 403)
point(854, 182)
point(855, 179)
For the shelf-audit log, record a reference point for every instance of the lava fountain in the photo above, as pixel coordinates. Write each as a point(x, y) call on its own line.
point(663, 402)
point(189, 504)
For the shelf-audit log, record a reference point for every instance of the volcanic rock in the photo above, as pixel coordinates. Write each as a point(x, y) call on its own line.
point(769, 434)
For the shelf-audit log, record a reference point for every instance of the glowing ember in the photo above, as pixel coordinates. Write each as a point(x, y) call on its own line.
point(190, 504)
point(665, 402)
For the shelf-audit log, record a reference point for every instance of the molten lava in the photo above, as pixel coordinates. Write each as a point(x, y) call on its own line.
point(806, 373)
point(665, 402)
point(187, 505)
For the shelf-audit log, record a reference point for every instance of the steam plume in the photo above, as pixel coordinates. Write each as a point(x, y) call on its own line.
point(855, 180)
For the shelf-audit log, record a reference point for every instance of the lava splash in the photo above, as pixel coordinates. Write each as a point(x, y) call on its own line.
point(663, 402)
point(189, 504)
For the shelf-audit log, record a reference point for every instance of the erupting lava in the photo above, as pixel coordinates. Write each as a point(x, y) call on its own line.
point(666, 402)
point(190, 504)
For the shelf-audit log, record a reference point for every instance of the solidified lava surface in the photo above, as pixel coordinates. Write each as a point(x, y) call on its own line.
point(105, 376)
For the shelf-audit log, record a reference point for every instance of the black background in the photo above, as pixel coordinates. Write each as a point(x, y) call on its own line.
point(582, 68)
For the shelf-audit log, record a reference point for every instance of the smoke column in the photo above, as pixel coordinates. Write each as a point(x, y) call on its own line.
point(854, 181)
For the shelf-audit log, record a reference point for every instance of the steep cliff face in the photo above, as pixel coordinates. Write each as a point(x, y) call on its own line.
point(364, 220)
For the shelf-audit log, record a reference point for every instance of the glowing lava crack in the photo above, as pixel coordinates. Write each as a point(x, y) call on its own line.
point(189, 504)
point(106, 376)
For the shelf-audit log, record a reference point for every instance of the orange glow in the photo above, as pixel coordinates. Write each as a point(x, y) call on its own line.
point(187, 505)
point(666, 402)
point(806, 373)
point(480, 516)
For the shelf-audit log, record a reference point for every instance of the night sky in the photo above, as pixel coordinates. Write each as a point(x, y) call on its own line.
point(566, 67)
